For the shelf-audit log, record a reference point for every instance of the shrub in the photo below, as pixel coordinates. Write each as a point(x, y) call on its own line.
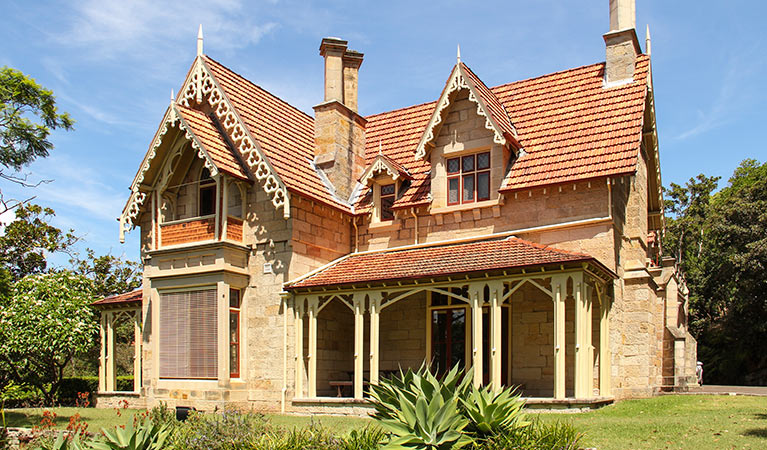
point(368, 438)
point(491, 413)
point(71, 386)
point(230, 429)
point(537, 436)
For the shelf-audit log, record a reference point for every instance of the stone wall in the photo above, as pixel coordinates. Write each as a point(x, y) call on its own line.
point(403, 334)
point(335, 347)
point(532, 341)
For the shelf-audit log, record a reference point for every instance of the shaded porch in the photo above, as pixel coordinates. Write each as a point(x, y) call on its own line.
point(540, 326)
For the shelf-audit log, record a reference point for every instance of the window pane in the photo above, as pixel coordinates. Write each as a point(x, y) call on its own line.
point(234, 360)
point(453, 188)
point(483, 160)
point(387, 189)
point(483, 186)
point(468, 163)
point(453, 165)
point(438, 299)
point(468, 188)
point(188, 334)
point(386, 205)
point(234, 327)
point(207, 200)
point(234, 298)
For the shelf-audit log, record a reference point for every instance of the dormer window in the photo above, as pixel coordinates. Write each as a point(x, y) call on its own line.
point(468, 178)
point(207, 194)
point(388, 194)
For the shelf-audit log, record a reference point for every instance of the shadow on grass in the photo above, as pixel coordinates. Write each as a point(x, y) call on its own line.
point(761, 416)
point(756, 432)
point(30, 419)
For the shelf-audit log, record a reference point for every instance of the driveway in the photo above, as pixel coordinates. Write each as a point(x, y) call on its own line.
point(733, 390)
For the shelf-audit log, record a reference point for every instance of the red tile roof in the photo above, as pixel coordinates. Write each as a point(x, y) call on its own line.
point(126, 298)
point(569, 124)
point(439, 260)
point(220, 152)
point(496, 108)
point(285, 133)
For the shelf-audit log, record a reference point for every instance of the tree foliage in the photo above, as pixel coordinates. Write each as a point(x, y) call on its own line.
point(110, 274)
point(27, 241)
point(21, 139)
point(46, 323)
point(720, 241)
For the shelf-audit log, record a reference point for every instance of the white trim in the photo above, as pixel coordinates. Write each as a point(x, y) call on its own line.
point(202, 85)
point(379, 165)
point(457, 81)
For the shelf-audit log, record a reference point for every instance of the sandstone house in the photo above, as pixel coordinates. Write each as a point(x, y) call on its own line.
point(290, 260)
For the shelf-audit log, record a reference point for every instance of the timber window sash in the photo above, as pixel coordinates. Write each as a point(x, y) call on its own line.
point(234, 332)
point(188, 334)
point(468, 178)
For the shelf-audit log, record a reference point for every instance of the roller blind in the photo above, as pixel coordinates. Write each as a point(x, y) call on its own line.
point(188, 333)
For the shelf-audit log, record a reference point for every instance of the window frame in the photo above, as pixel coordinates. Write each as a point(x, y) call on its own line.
point(381, 196)
point(206, 183)
point(461, 175)
point(235, 346)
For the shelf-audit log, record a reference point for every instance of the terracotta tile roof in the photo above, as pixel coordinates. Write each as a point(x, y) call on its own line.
point(220, 152)
point(285, 133)
point(439, 260)
point(495, 107)
point(570, 126)
point(126, 298)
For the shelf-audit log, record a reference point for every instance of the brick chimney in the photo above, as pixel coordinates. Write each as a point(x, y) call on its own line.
point(621, 42)
point(339, 131)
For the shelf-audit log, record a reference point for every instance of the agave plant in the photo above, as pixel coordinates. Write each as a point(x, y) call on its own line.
point(421, 411)
point(145, 436)
point(490, 413)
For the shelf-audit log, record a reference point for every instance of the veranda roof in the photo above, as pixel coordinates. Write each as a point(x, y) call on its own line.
point(440, 260)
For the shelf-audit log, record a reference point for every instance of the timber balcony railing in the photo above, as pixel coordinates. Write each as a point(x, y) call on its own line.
point(199, 229)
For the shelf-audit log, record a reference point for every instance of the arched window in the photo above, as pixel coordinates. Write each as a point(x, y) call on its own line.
point(207, 194)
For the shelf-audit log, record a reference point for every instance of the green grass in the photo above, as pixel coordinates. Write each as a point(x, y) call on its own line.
point(674, 422)
point(96, 418)
point(669, 422)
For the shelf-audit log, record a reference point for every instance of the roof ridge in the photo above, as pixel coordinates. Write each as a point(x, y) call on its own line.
point(276, 97)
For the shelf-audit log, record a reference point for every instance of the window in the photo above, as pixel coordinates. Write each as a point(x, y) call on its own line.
point(387, 201)
point(234, 333)
point(188, 334)
point(207, 196)
point(468, 178)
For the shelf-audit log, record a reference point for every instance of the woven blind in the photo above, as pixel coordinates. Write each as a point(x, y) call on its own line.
point(188, 334)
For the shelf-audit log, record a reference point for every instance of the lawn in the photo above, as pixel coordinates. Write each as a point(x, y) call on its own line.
point(668, 422)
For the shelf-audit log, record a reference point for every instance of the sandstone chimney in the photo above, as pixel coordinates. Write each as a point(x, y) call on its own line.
point(621, 42)
point(339, 131)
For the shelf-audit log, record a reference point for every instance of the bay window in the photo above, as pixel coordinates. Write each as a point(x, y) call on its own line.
point(188, 334)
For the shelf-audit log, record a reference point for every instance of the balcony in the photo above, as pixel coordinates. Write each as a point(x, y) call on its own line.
point(199, 229)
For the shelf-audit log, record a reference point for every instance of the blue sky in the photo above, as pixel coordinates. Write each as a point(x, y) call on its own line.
point(112, 65)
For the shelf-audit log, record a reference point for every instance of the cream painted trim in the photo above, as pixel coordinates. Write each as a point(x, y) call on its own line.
point(458, 80)
point(573, 223)
point(172, 117)
point(379, 165)
point(466, 206)
point(202, 85)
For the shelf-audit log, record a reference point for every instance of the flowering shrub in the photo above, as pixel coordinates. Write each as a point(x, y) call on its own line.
point(46, 323)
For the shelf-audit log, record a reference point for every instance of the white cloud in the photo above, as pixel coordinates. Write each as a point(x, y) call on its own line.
point(145, 28)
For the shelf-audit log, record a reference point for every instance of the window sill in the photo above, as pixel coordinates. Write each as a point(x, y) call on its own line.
point(382, 226)
point(466, 206)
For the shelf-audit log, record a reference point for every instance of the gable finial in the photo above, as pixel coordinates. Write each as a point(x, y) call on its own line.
point(458, 55)
point(199, 41)
point(380, 152)
point(647, 40)
point(172, 95)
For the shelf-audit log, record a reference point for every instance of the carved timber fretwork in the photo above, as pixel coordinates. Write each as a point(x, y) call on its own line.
point(201, 86)
point(458, 80)
point(380, 164)
point(171, 120)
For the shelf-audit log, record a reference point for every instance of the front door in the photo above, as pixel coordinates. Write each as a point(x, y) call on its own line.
point(448, 339)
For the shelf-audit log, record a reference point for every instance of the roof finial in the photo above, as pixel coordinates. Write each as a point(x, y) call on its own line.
point(647, 40)
point(380, 152)
point(199, 41)
point(458, 55)
point(172, 95)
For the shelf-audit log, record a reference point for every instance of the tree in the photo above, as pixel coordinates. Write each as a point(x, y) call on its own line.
point(110, 274)
point(47, 323)
point(28, 240)
point(22, 140)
